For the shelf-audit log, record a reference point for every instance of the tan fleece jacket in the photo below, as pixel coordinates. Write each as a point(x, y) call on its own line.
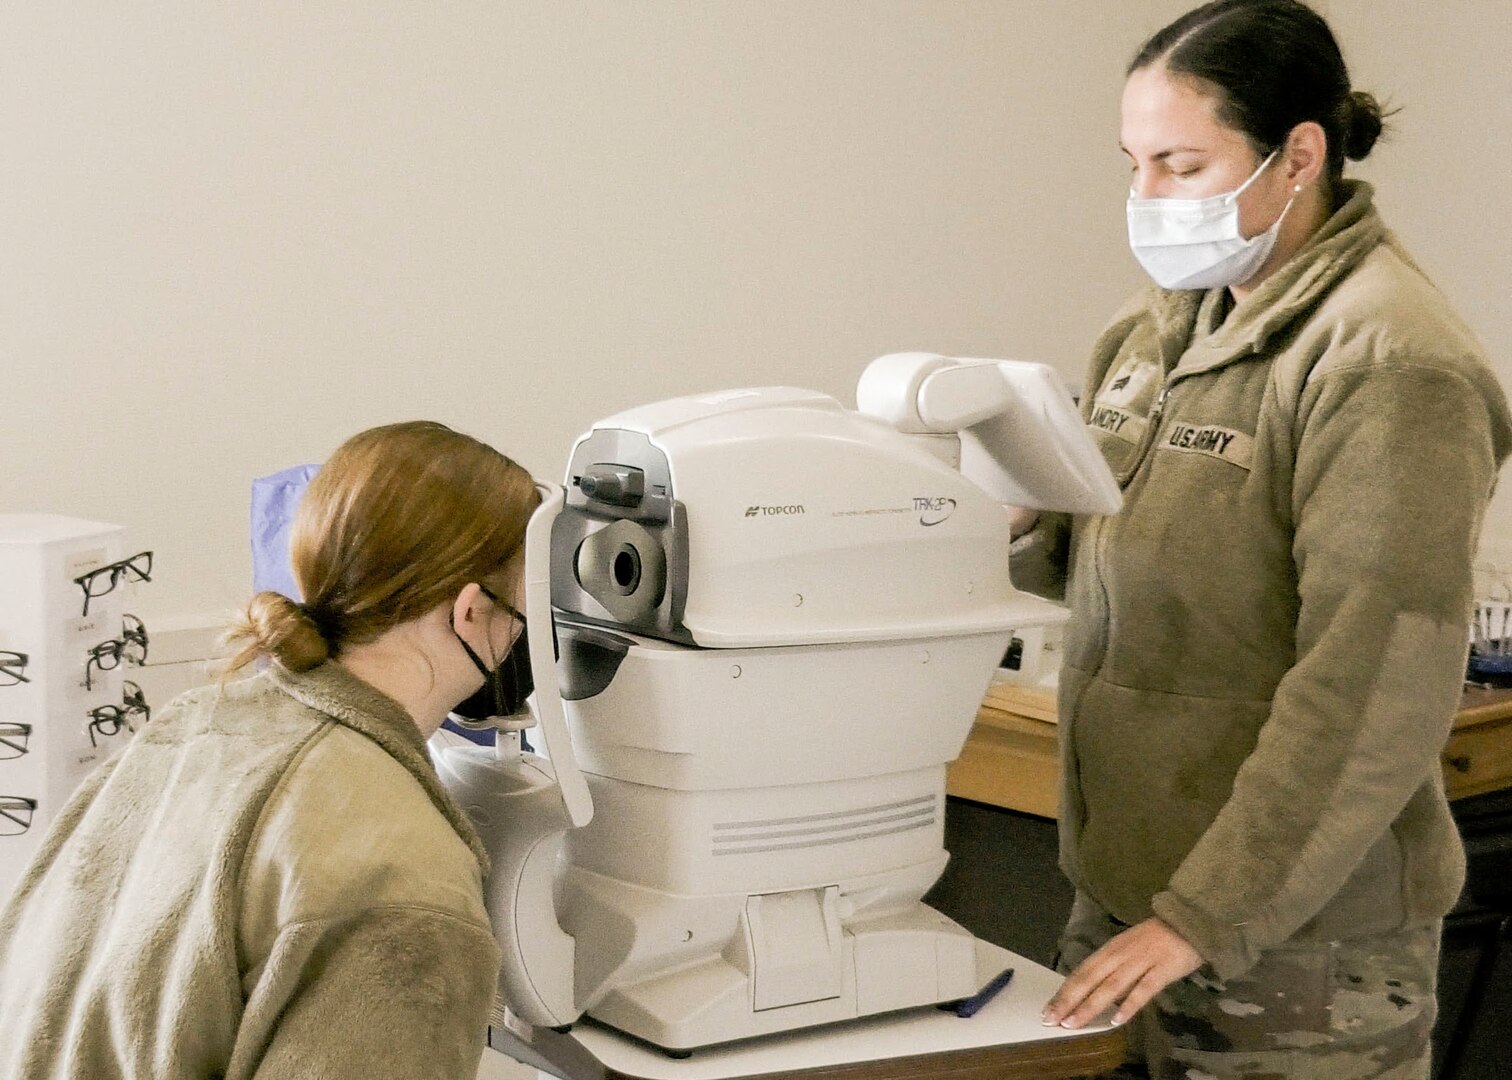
point(1267, 643)
point(268, 882)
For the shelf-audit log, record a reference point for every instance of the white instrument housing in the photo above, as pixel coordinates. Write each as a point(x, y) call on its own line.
point(775, 620)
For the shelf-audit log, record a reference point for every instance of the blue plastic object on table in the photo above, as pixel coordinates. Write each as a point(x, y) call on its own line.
point(1490, 667)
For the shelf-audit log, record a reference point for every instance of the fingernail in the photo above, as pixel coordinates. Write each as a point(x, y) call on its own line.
point(1118, 1019)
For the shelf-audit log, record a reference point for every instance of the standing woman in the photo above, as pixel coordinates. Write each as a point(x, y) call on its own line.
point(270, 881)
point(1268, 641)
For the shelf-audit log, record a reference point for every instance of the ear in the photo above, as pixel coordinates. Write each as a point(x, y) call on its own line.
point(1305, 153)
point(468, 606)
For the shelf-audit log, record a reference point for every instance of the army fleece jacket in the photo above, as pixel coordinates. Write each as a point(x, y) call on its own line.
point(270, 882)
point(1267, 643)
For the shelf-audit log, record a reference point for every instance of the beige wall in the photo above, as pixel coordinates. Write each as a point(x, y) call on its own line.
point(231, 237)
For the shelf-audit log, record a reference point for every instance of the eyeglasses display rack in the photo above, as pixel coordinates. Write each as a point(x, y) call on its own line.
point(65, 638)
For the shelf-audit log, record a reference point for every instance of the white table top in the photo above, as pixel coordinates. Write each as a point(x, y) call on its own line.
point(1011, 1017)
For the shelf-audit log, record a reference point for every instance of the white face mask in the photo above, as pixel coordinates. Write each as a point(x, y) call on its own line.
point(1196, 243)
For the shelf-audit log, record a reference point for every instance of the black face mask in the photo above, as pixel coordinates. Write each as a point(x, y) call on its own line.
point(506, 686)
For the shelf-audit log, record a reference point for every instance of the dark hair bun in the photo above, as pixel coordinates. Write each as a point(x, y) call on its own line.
point(284, 630)
point(1362, 125)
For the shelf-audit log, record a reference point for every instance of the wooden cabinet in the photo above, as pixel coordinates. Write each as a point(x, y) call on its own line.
point(1478, 757)
point(1011, 758)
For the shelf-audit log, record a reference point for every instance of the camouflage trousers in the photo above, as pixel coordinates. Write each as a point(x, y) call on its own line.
point(1341, 1010)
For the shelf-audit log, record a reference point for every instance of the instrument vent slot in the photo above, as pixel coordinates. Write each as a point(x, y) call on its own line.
point(823, 830)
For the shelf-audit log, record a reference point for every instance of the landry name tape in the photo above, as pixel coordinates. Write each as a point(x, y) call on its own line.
point(1225, 444)
point(1120, 423)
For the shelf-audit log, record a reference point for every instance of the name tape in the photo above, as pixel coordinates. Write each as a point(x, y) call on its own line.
point(1225, 444)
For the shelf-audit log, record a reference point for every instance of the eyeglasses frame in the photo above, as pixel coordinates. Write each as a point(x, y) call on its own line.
point(132, 633)
point(116, 570)
point(14, 735)
point(103, 717)
point(10, 805)
point(134, 703)
point(13, 666)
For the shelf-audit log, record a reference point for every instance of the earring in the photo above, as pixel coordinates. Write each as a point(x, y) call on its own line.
point(1297, 189)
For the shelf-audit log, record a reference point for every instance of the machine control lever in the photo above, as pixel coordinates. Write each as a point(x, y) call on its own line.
point(617, 485)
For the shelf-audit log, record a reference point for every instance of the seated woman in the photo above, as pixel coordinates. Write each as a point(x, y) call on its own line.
point(270, 881)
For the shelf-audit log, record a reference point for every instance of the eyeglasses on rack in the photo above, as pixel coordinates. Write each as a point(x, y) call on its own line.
point(134, 703)
point(16, 814)
point(131, 647)
point(13, 667)
point(103, 580)
point(15, 740)
point(106, 721)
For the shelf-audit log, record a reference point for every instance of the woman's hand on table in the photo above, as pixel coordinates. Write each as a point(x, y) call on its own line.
point(1128, 972)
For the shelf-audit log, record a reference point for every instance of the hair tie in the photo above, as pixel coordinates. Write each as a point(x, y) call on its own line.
point(314, 617)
